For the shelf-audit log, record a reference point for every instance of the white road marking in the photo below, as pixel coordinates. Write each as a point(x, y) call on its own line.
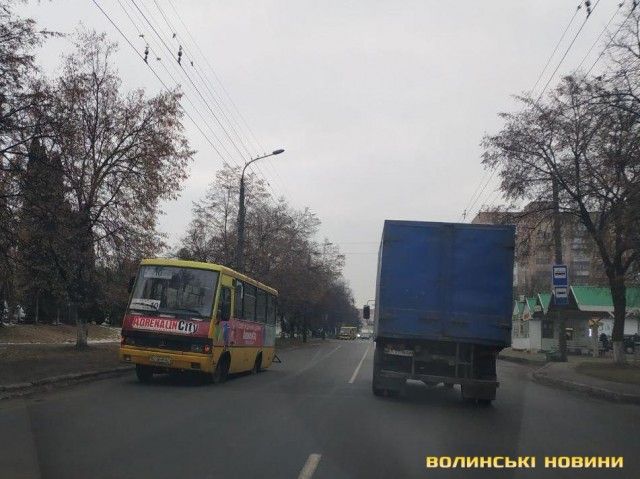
point(355, 373)
point(310, 466)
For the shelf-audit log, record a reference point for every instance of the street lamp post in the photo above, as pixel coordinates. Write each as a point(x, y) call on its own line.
point(241, 212)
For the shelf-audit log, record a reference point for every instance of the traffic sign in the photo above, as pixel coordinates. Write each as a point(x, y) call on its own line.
point(560, 275)
point(561, 295)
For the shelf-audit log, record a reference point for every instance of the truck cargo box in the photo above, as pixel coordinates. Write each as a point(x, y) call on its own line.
point(445, 282)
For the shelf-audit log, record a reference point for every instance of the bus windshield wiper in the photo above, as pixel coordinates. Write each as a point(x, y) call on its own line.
point(189, 310)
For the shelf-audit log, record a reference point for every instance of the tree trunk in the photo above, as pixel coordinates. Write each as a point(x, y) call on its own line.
point(37, 306)
point(81, 328)
point(618, 294)
point(304, 330)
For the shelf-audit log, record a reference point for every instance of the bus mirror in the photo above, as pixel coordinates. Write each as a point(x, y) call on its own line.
point(366, 312)
point(132, 280)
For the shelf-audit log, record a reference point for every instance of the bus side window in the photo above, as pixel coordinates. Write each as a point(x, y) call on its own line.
point(261, 306)
point(271, 309)
point(239, 313)
point(224, 310)
point(249, 303)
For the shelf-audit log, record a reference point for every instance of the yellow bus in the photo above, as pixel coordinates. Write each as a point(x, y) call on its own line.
point(193, 316)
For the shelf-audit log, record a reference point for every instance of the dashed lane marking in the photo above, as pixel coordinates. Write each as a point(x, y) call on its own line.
point(355, 373)
point(310, 466)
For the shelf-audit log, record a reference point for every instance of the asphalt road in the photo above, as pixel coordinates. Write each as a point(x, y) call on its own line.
point(312, 409)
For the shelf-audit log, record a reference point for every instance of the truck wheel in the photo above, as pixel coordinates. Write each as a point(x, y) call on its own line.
point(222, 370)
point(144, 373)
point(377, 391)
point(484, 402)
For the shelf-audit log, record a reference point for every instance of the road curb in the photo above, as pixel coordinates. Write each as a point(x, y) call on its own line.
point(9, 391)
point(513, 359)
point(540, 377)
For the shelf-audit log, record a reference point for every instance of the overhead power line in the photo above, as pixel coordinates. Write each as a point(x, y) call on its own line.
point(482, 185)
point(473, 195)
point(471, 208)
point(158, 77)
point(143, 56)
point(174, 56)
point(602, 52)
point(235, 108)
point(150, 48)
point(218, 101)
point(564, 32)
point(597, 40)
point(212, 95)
point(586, 19)
point(171, 54)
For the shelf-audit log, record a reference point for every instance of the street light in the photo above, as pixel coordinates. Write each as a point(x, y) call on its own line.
point(241, 212)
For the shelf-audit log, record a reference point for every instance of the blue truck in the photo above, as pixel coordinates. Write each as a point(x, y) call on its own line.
point(443, 308)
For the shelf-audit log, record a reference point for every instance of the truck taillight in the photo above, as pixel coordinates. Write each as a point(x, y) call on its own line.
point(207, 348)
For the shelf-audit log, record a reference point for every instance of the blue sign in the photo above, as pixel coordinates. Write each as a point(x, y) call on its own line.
point(560, 275)
point(561, 295)
point(560, 283)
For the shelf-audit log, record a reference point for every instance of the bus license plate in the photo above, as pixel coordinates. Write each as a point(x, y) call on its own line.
point(160, 360)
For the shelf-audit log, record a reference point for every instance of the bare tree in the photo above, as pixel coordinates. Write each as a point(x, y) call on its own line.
point(18, 39)
point(586, 138)
point(279, 250)
point(120, 155)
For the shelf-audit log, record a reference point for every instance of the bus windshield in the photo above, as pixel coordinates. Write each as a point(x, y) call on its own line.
point(174, 290)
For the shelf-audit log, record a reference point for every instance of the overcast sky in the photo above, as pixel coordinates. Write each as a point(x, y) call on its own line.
point(380, 105)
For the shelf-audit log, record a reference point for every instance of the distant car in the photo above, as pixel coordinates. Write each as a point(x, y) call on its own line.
point(364, 335)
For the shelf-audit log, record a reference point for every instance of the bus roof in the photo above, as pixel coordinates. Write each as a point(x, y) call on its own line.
point(210, 266)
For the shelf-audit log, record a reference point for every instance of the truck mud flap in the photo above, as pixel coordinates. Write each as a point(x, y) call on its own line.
point(390, 380)
point(483, 392)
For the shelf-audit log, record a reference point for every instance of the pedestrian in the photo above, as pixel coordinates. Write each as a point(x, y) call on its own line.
point(605, 342)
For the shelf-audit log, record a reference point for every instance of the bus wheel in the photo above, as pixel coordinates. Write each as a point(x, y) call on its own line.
point(144, 373)
point(257, 365)
point(222, 370)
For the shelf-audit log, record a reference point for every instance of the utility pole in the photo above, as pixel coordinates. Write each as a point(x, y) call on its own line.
point(239, 262)
point(557, 240)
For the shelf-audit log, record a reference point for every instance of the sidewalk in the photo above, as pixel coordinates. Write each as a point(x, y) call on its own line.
point(35, 366)
point(25, 367)
point(564, 375)
point(54, 334)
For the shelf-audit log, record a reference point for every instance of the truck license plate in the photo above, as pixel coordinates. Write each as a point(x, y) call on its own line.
point(160, 360)
point(399, 352)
